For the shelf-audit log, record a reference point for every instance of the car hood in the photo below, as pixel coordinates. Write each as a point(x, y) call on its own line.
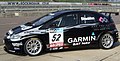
point(21, 28)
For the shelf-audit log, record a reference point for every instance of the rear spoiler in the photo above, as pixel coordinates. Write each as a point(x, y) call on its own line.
point(109, 13)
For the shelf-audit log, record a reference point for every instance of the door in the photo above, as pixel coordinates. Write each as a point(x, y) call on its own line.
point(60, 30)
point(71, 30)
point(83, 33)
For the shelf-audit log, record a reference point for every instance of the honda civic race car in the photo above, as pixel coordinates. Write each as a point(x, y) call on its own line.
point(65, 29)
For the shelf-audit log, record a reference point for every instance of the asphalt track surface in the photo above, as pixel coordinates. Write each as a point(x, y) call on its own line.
point(75, 55)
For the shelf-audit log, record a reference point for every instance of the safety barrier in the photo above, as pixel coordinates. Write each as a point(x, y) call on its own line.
point(12, 9)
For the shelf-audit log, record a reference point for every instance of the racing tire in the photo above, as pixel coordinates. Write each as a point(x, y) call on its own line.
point(5, 49)
point(33, 47)
point(106, 41)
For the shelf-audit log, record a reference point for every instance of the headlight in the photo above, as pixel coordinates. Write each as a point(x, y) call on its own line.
point(15, 37)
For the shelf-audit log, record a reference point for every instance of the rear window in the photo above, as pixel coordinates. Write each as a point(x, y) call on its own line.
point(107, 17)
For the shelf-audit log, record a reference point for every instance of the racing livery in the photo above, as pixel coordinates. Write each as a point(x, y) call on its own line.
point(65, 29)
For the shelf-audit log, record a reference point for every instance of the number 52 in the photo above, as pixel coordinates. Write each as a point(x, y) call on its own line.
point(56, 37)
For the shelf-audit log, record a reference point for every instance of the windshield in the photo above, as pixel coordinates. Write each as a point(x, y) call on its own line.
point(40, 21)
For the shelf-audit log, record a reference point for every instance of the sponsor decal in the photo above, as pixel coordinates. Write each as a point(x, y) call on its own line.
point(17, 44)
point(82, 40)
point(87, 18)
point(35, 32)
point(16, 48)
point(23, 3)
point(56, 37)
point(103, 20)
point(56, 48)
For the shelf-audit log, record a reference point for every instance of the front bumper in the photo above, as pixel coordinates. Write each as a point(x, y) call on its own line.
point(13, 46)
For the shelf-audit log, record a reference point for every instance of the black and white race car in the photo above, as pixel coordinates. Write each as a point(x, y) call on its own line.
point(65, 29)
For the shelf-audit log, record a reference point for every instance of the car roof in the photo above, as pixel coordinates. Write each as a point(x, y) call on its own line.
point(70, 11)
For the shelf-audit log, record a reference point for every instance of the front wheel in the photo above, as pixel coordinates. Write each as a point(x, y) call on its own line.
point(33, 46)
point(106, 41)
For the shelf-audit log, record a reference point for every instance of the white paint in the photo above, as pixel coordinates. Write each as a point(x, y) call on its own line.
point(87, 18)
point(10, 31)
point(17, 44)
point(53, 39)
point(23, 27)
point(81, 39)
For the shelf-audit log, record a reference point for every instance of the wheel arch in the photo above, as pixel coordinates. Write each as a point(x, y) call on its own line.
point(102, 33)
point(36, 36)
point(44, 46)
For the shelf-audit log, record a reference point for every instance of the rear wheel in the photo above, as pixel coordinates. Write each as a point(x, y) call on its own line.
point(106, 41)
point(33, 46)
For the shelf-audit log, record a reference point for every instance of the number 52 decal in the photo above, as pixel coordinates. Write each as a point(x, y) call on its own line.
point(56, 38)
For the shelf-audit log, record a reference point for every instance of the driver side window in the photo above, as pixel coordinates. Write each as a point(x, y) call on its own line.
point(65, 20)
point(55, 23)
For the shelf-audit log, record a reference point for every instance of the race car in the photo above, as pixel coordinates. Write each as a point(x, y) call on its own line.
point(61, 30)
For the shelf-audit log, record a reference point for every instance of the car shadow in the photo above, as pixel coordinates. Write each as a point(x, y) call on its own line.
point(116, 44)
point(58, 51)
point(16, 53)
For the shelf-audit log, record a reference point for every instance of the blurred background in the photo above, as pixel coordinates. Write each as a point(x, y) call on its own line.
point(68, 0)
point(12, 8)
